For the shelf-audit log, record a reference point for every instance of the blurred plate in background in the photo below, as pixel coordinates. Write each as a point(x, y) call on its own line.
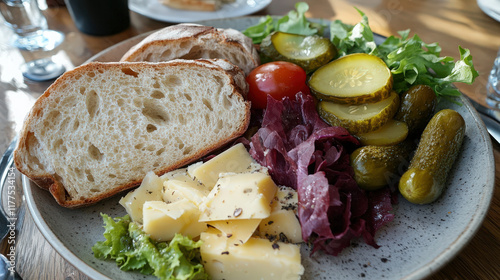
point(155, 10)
point(490, 7)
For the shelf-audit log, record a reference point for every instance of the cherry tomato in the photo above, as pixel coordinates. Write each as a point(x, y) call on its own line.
point(278, 79)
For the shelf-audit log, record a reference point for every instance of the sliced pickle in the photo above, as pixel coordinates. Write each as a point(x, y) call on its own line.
point(352, 79)
point(391, 133)
point(309, 52)
point(359, 118)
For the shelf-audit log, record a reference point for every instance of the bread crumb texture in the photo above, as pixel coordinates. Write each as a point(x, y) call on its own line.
point(105, 125)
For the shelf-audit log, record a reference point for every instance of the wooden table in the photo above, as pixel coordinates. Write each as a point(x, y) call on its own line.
point(451, 23)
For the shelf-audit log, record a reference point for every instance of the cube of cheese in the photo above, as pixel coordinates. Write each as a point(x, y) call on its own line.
point(238, 230)
point(235, 159)
point(256, 259)
point(286, 199)
point(282, 224)
point(149, 190)
point(163, 220)
point(238, 197)
point(184, 188)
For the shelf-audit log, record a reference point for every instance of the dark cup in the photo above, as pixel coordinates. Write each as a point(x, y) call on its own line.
point(99, 17)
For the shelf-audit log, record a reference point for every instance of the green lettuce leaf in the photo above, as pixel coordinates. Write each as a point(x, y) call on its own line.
point(294, 22)
point(353, 38)
point(414, 62)
point(260, 31)
point(133, 250)
point(116, 235)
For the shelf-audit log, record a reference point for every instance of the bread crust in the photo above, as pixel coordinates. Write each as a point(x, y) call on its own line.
point(197, 34)
point(48, 180)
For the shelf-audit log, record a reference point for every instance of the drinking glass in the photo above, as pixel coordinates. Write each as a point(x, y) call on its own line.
point(29, 25)
point(25, 18)
point(493, 85)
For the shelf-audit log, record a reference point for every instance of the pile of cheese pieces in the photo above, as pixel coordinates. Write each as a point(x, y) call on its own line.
point(248, 225)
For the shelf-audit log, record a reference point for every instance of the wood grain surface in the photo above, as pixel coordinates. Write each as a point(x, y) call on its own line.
point(451, 23)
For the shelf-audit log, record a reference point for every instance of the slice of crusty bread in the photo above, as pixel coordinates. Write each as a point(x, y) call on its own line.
point(192, 41)
point(102, 126)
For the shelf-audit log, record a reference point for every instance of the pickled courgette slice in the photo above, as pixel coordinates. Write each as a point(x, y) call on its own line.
point(359, 118)
point(352, 79)
point(391, 133)
point(309, 52)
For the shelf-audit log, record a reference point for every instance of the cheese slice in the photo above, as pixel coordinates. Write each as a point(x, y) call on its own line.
point(149, 190)
point(238, 230)
point(239, 197)
point(234, 160)
point(184, 188)
point(192, 167)
point(163, 220)
point(175, 174)
point(256, 259)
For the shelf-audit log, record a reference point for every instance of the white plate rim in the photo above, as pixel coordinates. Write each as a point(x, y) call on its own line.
point(50, 236)
point(160, 12)
point(425, 270)
point(486, 7)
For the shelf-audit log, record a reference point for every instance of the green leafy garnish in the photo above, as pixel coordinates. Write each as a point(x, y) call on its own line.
point(353, 38)
point(411, 61)
point(132, 249)
point(414, 62)
point(294, 22)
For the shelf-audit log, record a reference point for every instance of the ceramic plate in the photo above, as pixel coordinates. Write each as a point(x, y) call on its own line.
point(155, 10)
point(491, 8)
point(419, 241)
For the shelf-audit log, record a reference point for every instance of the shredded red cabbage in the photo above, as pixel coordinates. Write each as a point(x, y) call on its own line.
point(303, 152)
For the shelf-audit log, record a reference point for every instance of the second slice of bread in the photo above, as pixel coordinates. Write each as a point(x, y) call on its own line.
point(102, 126)
point(193, 41)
